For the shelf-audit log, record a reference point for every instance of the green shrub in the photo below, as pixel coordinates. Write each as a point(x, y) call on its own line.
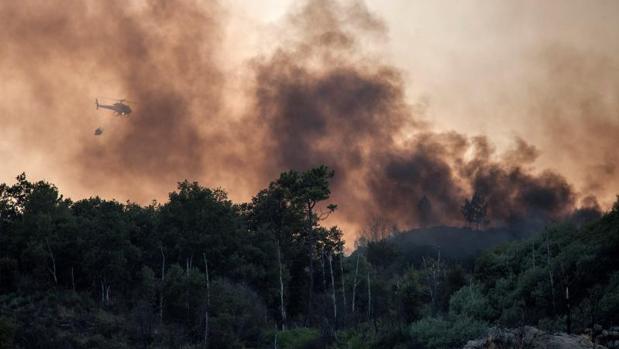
point(298, 338)
point(469, 301)
point(352, 339)
point(437, 333)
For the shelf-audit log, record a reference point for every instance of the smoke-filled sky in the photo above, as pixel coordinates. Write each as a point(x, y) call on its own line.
point(517, 100)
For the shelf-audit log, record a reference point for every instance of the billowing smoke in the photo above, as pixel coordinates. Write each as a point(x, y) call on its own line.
point(160, 54)
point(321, 103)
point(321, 97)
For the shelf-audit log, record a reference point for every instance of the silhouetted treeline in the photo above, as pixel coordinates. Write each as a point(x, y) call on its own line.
point(202, 271)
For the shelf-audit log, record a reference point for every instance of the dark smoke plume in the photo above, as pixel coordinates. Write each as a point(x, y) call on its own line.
point(322, 102)
point(322, 97)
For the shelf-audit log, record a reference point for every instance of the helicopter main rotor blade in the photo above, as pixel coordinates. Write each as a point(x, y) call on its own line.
point(118, 100)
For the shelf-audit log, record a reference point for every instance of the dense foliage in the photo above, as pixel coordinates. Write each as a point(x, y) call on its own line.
point(202, 271)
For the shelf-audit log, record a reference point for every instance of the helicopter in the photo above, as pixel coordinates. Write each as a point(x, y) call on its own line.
point(119, 108)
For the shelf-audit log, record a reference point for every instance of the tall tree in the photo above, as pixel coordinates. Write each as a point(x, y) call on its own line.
point(474, 210)
point(305, 190)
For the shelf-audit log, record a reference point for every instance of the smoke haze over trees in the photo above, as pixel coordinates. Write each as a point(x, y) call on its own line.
point(200, 270)
point(320, 97)
point(325, 201)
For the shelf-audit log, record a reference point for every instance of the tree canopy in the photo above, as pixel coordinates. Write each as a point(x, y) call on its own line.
point(202, 271)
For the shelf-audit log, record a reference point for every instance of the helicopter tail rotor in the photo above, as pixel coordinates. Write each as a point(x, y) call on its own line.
point(97, 102)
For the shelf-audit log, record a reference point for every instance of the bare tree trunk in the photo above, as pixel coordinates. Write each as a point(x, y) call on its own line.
point(208, 299)
point(342, 279)
point(550, 275)
point(438, 275)
point(105, 292)
point(72, 280)
point(162, 263)
point(322, 265)
point(310, 237)
point(162, 284)
point(434, 273)
point(208, 282)
point(354, 284)
point(188, 264)
point(533, 254)
point(427, 268)
point(161, 306)
point(369, 298)
point(281, 289)
point(206, 328)
point(333, 289)
point(569, 310)
point(53, 269)
point(310, 290)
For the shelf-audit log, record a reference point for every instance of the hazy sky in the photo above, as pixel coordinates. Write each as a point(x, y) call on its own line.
point(501, 69)
point(475, 61)
point(546, 72)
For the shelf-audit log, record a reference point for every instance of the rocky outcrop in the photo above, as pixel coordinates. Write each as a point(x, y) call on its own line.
point(610, 337)
point(530, 338)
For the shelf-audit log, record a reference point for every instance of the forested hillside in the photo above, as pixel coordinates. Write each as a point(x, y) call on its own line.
point(201, 271)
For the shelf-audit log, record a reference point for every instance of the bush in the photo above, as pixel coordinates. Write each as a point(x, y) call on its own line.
point(470, 302)
point(236, 316)
point(436, 333)
point(298, 338)
point(351, 339)
point(395, 339)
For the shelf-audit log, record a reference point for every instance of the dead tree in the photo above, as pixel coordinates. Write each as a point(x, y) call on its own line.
point(162, 263)
point(72, 280)
point(207, 279)
point(567, 279)
point(569, 310)
point(281, 288)
point(324, 273)
point(105, 292)
point(333, 288)
point(369, 297)
point(354, 284)
point(102, 291)
point(312, 219)
point(550, 274)
point(533, 254)
point(434, 274)
point(208, 299)
point(310, 254)
point(188, 264)
point(342, 278)
point(52, 270)
point(162, 284)
point(206, 328)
